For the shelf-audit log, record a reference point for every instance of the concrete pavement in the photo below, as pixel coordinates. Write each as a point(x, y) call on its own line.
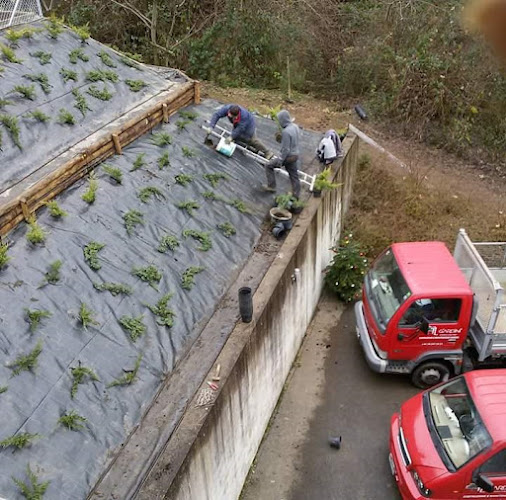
point(329, 392)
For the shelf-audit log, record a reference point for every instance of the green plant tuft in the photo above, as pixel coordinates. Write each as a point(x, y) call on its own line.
point(136, 85)
point(54, 27)
point(181, 124)
point(168, 243)
point(68, 74)
point(164, 315)
point(129, 376)
point(72, 421)
point(90, 194)
point(134, 326)
point(78, 54)
point(139, 162)
point(43, 57)
point(162, 139)
point(18, 441)
point(189, 115)
point(240, 205)
point(90, 252)
point(26, 362)
point(35, 234)
point(41, 79)
point(214, 179)
point(323, 181)
point(183, 179)
point(83, 32)
point(4, 102)
point(113, 172)
point(345, 273)
point(39, 116)
point(131, 64)
point(9, 54)
point(187, 280)
point(35, 316)
point(106, 59)
point(163, 161)
point(132, 218)
point(80, 374)
point(102, 75)
point(103, 95)
point(202, 237)
point(52, 275)
point(25, 91)
point(55, 210)
point(66, 117)
point(15, 35)
point(149, 274)
point(113, 288)
point(189, 206)
point(3, 388)
point(147, 192)
point(227, 229)
point(80, 103)
point(4, 258)
point(86, 316)
point(32, 490)
point(188, 152)
point(10, 122)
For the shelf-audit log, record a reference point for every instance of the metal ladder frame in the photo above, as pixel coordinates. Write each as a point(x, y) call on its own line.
point(224, 133)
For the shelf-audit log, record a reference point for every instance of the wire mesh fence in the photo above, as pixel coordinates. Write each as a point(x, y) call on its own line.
point(14, 12)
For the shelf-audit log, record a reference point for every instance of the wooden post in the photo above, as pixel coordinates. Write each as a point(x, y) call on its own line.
point(288, 77)
point(197, 93)
point(24, 208)
point(117, 145)
point(165, 112)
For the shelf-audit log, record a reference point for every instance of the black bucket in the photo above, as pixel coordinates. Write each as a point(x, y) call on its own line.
point(246, 304)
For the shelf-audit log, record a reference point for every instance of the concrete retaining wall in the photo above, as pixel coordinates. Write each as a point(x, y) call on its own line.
point(209, 455)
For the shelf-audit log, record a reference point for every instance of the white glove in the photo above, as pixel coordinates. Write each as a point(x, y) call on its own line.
point(228, 140)
point(207, 130)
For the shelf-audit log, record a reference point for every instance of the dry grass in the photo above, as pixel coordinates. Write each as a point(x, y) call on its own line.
point(391, 204)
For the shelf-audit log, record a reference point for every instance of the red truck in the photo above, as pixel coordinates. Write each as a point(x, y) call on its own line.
point(431, 315)
point(449, 442)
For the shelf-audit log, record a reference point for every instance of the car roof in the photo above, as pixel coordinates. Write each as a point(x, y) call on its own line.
point(430, 269)
point(488, 390)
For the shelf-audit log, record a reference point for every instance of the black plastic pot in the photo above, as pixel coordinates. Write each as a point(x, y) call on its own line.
point(246, 304)
point(317, 194)
point(360, 112)
point(296, 210)
point(279, 230)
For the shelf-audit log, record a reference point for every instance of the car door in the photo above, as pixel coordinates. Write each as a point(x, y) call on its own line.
point(493, 469)
point(444, 333)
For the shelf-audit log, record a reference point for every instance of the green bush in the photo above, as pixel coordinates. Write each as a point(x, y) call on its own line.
point(345, 273)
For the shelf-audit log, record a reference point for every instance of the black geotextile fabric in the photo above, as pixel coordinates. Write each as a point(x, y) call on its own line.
point(34, 400)
point(43, 141)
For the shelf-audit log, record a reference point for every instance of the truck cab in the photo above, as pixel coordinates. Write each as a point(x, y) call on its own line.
point(449, 442)
point(418, 313)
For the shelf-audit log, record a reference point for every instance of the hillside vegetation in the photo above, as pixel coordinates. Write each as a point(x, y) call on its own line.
point(410, 62)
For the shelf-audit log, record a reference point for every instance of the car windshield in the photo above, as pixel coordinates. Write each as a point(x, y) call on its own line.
point(387, 286)
point(458, 425)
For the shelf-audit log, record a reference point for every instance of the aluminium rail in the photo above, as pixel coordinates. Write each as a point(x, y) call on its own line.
point(223, 133)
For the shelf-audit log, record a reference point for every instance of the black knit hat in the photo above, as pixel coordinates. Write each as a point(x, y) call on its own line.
point(234, 110)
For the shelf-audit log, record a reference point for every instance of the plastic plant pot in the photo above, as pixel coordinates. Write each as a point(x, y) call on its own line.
point(246, 304)
point(279, 230)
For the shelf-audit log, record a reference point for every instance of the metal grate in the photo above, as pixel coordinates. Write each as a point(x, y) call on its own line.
point(14, 12)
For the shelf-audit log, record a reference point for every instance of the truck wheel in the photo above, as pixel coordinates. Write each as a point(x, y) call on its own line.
point(429, 374)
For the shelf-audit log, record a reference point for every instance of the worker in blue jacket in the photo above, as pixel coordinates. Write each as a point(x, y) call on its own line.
point(244, 127)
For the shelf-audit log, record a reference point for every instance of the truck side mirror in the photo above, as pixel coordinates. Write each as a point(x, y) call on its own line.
point(484, 483)
point(424, 326)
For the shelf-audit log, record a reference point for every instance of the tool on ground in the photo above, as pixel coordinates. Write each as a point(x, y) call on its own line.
point(228, 150)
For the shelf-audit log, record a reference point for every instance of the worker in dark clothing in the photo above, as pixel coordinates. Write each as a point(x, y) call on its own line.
point(289, 156)
point(244, 127)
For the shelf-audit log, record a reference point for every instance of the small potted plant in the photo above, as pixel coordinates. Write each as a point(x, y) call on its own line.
point(289, 202)
point(323, 182)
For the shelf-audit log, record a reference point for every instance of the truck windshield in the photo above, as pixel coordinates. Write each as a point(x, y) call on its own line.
point(387, 288)
point(456, 427)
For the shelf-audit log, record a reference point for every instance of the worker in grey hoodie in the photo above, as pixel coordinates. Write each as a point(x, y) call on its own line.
point(289, 156)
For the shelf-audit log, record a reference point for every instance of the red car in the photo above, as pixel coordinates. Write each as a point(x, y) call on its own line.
point(450, 441)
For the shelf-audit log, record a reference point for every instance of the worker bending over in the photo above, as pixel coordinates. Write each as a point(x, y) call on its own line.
point(244, 127)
